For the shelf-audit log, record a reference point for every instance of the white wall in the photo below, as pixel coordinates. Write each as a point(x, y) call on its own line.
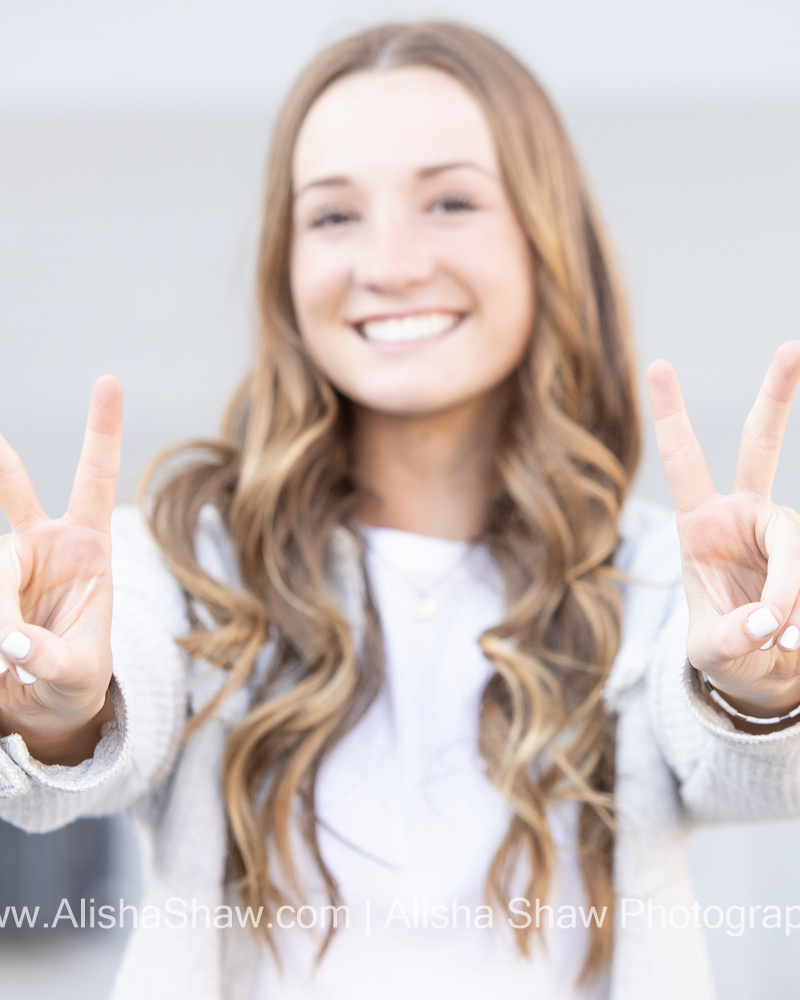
point(230, 55)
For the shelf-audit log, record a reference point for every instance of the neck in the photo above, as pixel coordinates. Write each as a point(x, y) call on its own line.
point(431, 474)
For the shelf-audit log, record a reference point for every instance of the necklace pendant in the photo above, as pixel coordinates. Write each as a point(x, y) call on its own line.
point(425, 609)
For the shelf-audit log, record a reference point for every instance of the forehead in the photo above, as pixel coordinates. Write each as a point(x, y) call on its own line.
point(400, 118)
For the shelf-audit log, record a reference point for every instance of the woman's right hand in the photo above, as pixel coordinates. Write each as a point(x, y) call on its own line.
point(55, 596)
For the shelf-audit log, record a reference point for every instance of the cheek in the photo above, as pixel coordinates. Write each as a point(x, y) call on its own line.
point(315, 285)
point(318, 284)
point(502, 274)
point(515, 280)
point(497, 259)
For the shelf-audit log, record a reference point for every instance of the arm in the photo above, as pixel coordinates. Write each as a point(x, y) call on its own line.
point(740, 553)
point(149, 695)
point(722, 772)
point(55, 594)
point(76, 739)
point(740, 561)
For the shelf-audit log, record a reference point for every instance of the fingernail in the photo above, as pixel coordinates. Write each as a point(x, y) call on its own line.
point(3, 667)
point(761, 623)
point(768, 644)
point(25, 677)
point(789, 638)
point(16, 645)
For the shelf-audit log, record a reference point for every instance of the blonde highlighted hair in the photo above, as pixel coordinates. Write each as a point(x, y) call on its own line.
point(281, 477)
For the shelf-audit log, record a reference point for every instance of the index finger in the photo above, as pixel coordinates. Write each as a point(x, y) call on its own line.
point(18, 500)
point(688, 478)
point(762, 434)
point(92, 497)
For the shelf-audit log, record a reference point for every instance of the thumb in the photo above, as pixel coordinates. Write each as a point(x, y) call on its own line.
point(726, 638)
point(32, 652)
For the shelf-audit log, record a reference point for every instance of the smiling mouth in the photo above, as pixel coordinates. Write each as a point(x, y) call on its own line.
point(402, 329)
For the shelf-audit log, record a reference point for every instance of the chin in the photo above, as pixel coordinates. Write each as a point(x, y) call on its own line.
point(414, 406)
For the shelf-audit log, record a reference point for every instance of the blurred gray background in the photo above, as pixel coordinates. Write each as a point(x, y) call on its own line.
point(132, 141)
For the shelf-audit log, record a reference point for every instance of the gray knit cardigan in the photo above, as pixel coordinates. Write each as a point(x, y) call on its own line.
point(678, 762)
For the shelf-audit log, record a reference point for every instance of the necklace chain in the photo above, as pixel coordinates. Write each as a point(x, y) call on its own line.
point(425, 606)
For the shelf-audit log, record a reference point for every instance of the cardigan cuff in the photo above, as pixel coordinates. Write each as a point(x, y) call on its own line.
point(19, 770)
point(721, 725)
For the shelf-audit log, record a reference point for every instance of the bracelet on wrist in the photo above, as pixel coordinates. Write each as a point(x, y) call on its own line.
point(717, 698)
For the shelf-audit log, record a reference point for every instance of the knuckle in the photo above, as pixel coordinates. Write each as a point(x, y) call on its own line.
point(790, 515)
point(681, 452)
point(10, 471)
point(763, 440)
point(98, 472)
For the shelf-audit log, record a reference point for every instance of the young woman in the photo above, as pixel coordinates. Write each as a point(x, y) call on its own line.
point(405, 673)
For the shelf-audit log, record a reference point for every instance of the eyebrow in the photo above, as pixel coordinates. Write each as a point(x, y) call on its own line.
point(424, 173)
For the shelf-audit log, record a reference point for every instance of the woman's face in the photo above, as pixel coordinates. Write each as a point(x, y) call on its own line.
point(411, 277)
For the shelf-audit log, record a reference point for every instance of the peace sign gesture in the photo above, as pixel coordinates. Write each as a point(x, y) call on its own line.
point(740, 552)
point(55, 595)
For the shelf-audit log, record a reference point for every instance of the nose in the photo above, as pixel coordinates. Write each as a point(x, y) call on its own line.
point(393, 255)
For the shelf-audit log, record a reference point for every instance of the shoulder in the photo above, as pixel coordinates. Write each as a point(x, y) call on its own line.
point(146, 594)
point(649, 548)
point(648, 555)
point(152, 609)
point(133, 550)
point(135, 553)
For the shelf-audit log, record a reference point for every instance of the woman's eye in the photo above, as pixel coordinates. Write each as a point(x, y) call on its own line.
point(452, 203)
point(330, 218)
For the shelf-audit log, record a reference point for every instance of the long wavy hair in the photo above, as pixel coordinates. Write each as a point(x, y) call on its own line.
point(280, 475)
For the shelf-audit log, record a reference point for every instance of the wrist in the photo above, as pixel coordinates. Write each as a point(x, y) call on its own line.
point(766, 698)
point(766, 708)
point(58, 739)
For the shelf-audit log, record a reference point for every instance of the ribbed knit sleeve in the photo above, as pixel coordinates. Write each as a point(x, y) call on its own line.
point(723, 773)
point(149, 692)
point(720, 772)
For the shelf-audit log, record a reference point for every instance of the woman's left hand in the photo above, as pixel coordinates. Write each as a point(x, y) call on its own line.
point(740, 552)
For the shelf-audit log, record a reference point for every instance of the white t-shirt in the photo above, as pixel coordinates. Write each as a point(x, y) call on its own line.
point(410, 822)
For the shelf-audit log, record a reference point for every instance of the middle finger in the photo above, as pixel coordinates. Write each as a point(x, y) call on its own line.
point(762, 434)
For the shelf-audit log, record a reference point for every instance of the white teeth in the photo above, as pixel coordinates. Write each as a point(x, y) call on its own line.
point(417, 327)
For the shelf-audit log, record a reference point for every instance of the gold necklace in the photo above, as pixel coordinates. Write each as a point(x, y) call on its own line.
point(425, 606)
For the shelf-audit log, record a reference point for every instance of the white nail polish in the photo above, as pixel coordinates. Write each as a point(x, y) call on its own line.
point(768, 644)
point(761, 623)
point(789, 638)
point(25, 677)
point(16, 645)
point(3, 667)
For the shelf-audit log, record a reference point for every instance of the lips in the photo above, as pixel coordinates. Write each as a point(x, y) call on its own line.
point(404, 329)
